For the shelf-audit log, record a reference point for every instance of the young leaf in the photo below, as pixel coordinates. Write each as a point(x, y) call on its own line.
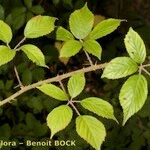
point(104, 28)
point(63, 35)
point(6, 54)
point(70, 48)
point(39, 26)
point(59, 118)
point(135, 46)
point(76, 84)
point(120, 67)
point(5, 32)
point(93, 47)
point(91, 130)
point(81, 22)
point(53, 91)
point(133, 95)
point(99, 107)
point(34, 54)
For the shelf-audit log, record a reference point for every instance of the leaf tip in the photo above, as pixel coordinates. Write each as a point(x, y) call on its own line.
point(116, 120)
point(124, 122)
point(130, 29)
point(46, 66)
point(85, 5)
point(103, 76)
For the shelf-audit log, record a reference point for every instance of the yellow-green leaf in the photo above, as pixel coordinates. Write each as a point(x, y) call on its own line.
point(99, 107)
point(120, 67)
point(59, 118)
point(76, 84)
point(63, 35)
point(91, 130)
point(135, 46)
point(34, 54)
point(81, 22)
point(133, 95)
point(53, 91)
point(6, 55)
point(104, 28)
point(5, 32)
point(93, 47)
point(39, 26)
point(70, 48)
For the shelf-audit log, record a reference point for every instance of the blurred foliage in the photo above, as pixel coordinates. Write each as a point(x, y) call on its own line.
point(25, 118)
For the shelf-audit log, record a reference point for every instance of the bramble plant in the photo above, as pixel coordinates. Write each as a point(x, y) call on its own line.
point(82, 36)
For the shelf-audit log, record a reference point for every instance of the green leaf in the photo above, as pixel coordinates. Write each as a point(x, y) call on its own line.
point(133, 95)
point(104, 28)
point(63, 35)
point(5, 32)
point(6, 55)
point(68, 3)
point(55, 2)
point(2, 12)
point(34, 54)
point(28, 3)
point(17, 11)
point(39, 26)
point(70, 48)
point(29, 15)
point(59, 118)
point(18, 21)
point(5, 131)
point(26, 77)
point(37, 9)
point(99, 107)
point(135, 46)
point(17, 17)
point(76, 84)
point(93, 47)
point(119, 67)
point(91, 130)
point(81, 22)
point(53, 91)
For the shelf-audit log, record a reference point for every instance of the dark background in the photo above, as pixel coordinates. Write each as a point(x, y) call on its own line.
point(25, 118)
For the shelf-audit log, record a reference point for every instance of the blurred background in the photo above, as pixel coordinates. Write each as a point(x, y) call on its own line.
point(25, 118)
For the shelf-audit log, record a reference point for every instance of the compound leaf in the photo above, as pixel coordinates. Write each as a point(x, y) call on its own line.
point(91, 130)
point(99, 107)
point(133, 95)
point(81, 22)
point(34, 54)
point(59, 118)
point(76, 84)
point(93, 47)
point(104, 28)
point(5, 32)
point(120, 67)
point(53, 91)
point(70, 48)
point(6, 54)
point(39, 26)
point(135, 46)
